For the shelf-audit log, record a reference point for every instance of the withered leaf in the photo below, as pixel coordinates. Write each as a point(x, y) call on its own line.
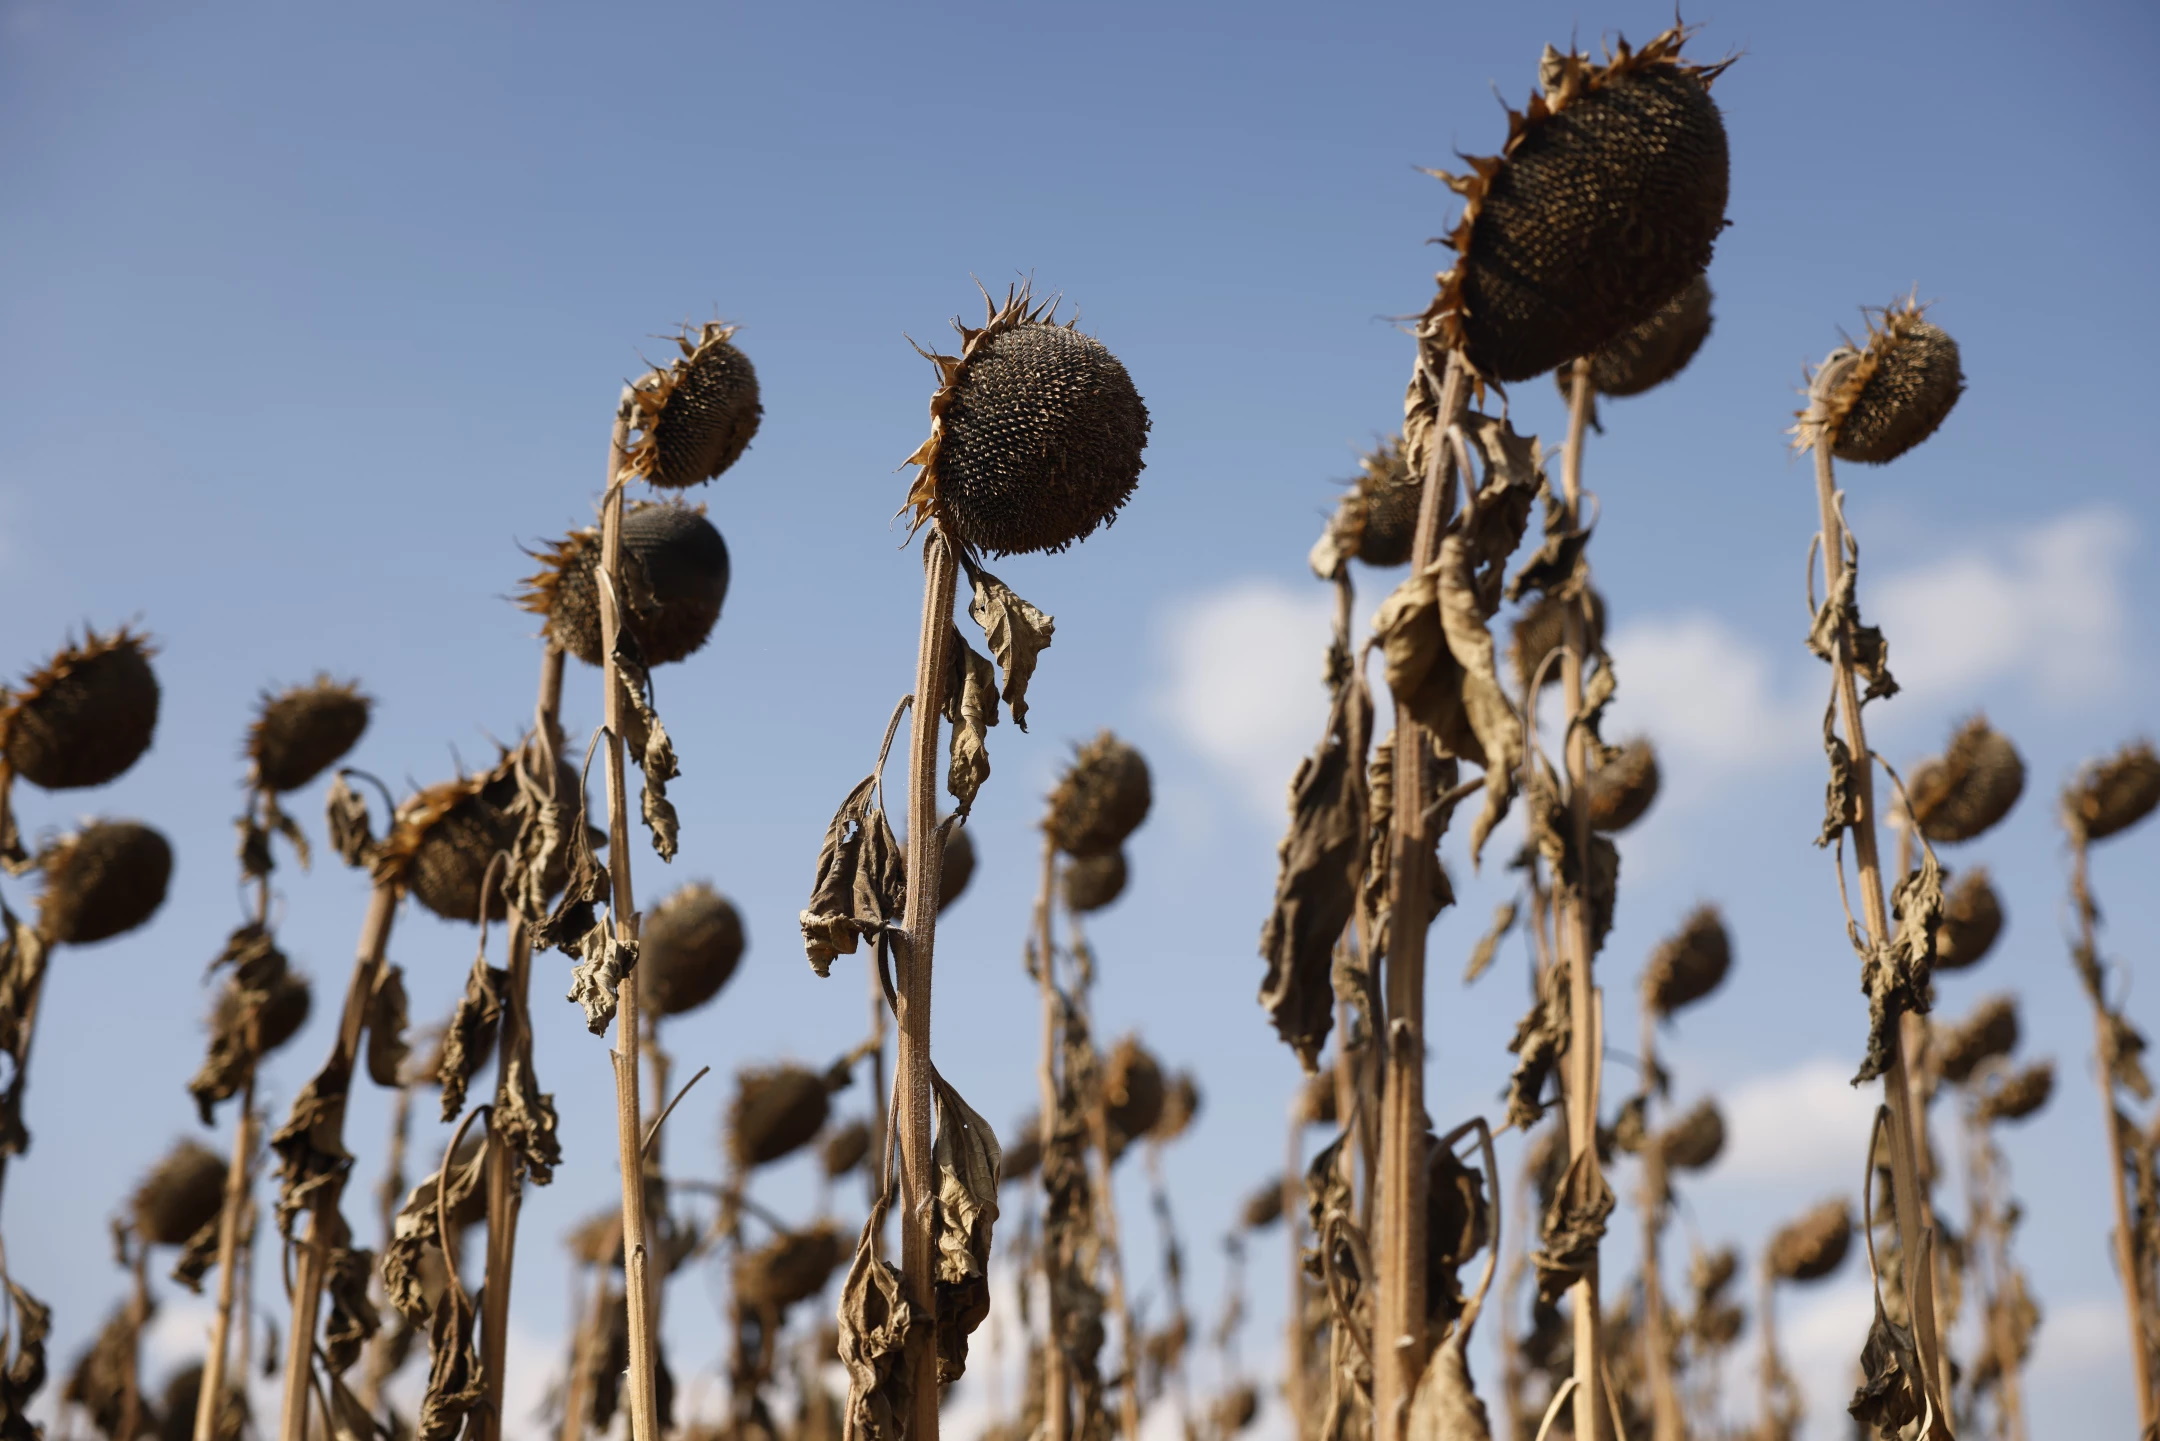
point(24, 1375)
point(22, 975)
point(309, 1146)
point(603, 960)
point(1841, 798)
point(198, 1256)
point(471, 1034)
point(1572, 1227)
point(875, 1319)
point(345, 814)
point(1838, 622)
point(1484, 727)
point(971, 705)
point(1017, 633)
point(1316, 884)
point(289, 828)
point(349, 1418)
point(1488, 945)
point(456, 1377)
point(1896, 976)
point(351, 1320)
point(386, 1048)
point(1492, 524)
point(1891, 1394)
point(861, 880)
point(524, 1117)
point(254, 854)
point(576, 913)
point(968, 1160)
point(417, 1229)
point(1445, 1406)
point(646, 741)
point(1556, 564)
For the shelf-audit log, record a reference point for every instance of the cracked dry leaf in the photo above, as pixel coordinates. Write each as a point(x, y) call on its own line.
point(310, 1151)
point(971, 705)
point(1555, 566)
point(197, 1256)
point(1488, 945)
point(418, 1230)
point(260, 978)
point(345, 814)
point(1896, 977)
point(1317, 883)
point(646, 741)
point(576, 916)
point(1572, 1227)
point(861, 880)
point(350, 1319)
point(967, 1159)
point(1494, 736)
point(1841, 799)
point(1017, 633)
point(1445, 1406)
point(1891, 1395)
point(1540, 1040)
point(875, 1320)
point(603, 960)
point(24, 1375)
point(1839, 619)
point(386, 1013)
point(456, 1378)
point(524, 1117)
point(470, 1035)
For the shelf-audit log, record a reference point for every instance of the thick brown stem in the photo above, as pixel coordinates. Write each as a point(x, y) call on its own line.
point(1773, 1370)
point(1582, 1061)
point(925, 870)
point(313, 1252)
point(237, 1174)
point(1297, 1376)
point(1399, 1337)
point(1106, 1222)
point(1897, 1087)
point(1666, 1421)
point(2126, 1255)
point(640, 1383)
point(1055, 1412)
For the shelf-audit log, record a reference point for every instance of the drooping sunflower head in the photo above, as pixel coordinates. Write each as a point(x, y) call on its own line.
point(1970, 787)
point(776, 1111)
point(1387, 497)
point(689, 948)
point(1094, 882)
point(1872, 402)
point(1689, 964)
point(1813, 1246)
point(1035, 433)
point(301, 732)
point(1101, 799)
point(1645, 356)
point(675, 579)
point(1603, 205)
point(444, 840)
point(85, 716)
point(2113, 795)
point(102, 881)
point(694, 416)
point(181, 1195)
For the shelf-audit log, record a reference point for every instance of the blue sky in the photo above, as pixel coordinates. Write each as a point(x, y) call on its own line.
point(317, 316)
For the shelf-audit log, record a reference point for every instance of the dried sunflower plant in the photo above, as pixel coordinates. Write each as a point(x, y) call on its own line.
point(1036, 435)
point(297, 734)
point(2105, 799)
point(80, 720)
point(1871, 403)
point(1556, 262)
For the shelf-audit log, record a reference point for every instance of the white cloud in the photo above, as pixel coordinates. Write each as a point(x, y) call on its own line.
point(1705, 693)
point(1803, 1127)
point(2049, 603)
point(1822, 1330)
point(1243, 684)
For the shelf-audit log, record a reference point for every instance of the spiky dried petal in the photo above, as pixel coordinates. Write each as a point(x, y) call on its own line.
point(695, 415)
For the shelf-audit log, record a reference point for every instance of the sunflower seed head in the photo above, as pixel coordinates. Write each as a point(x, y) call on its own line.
point(104, 880)
point(1623, 788)
point(2110, 796)
point(1647, 355)
point(959, 866)
point(777, 1111)
point(1970, 787)
point(1689, 964)
point(1972, 919)
point(181, 1195)
point(83, 717)
point(1990, 1031)
point(675, 579)
point(1101, 799)
point(2019, 1094)
point(694, 416)
point(1813, 1246)
point(1873, 402)
point(300, 733)
point(688, 948)
point(1093, 882)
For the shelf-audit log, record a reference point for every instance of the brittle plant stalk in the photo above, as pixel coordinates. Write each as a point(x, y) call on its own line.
point(308, 1270)
point(925, 872)
point(1577, 945)
point(234, 1203)
point(1297, 1377)
point(2126, 1255)
point(1399, 1336)
point(1666, 1421)
point(1905, 1170)
point(1055, 1425)
point(505, 1192)
point(1913, 1037)
point(641, 1384)
point(1990, 1240)
point(1105, 1206)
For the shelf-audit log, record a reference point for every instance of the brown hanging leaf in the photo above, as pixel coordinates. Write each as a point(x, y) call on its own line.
point(646, 741)
point(259, 970)
point(386, 1049)
point(1841, 800)
point(351, 1320)
point(875, 1320)
point(1017, 633)
point(1555, 567)
point(1838, 621)
point(456, 1378)
point(1317, 882)
point(1488, 946)
point(470, 1035)
point(603, 960)
point(309, 1146)
point(24, 1375)
point(198, 1256)
point(524, 1118)
point(971, 705)
point(1540, 1041)
point(1896, 976)
point(352, 835)
point(1891, 1394)
point(418, 1230)
point(577, 911)
point(861, 880)
point(1445, 1406)
point(22, 975)
point(1572, 1227)
point(967, 1160)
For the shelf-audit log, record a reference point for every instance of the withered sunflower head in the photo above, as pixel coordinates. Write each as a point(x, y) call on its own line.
point(959, 866)
point(444, 838)
point(1602, 206)
point(1972, 919)
point(1695, 1140)
point(279, 1018)
point(1990, 1031)
point(675, 575)
point(182, 1193)
point(1813, 1246)
point(1622, 789)
point(1133, 1090)
point(777, 1111)
point(1645, 356)
point(301, 732)
point(2019, 1094)
point(1872, 402)
point(844, 1148)
point(2111, 796)
point(1376, 520)
point(1970, 787)
point(1689, 964)
point(688, 948)
point(1538, 632)
point(1181, 1107)
point(1035, 433)
point(792, 1267)
point(1102, 798)
point(1264, 1206)
point(1093, 882)
point(102, 881)
point(694, 416)
point(83, 717)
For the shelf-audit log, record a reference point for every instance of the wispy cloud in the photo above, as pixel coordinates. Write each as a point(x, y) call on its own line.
point(1802, 1128)
point(1242, 681)
point(1704, 691)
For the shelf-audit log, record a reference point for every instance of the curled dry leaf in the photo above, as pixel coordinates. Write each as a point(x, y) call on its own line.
point(309, 1146)
point(1572, 1228)
point(1488, 945)
point(1445, 1406)
point(966, 1158)
point(1892, 1394)
point(603, 960)
point(386, 1016)
point(1837, 622)
point(1540, 1041)
point(649, 748)
point(453, 1191)
point(861, 879)
point(875, 1320)
point(1895, 976)
point(260, 1007)
point(350, 1320)
point(971, 705)
point(1017, 632)
point(456, 1384)
point(470, 1035)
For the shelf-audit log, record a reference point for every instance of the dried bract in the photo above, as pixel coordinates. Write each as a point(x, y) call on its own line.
point(2113, 795)
point(1689, 964)
point(1601, 207)
point(1102, 798)
point(777, 1111)
point(1970, 787)
point(1990, 1031)
point(104, 880)
point(1093, 882)
point(688, 948)
point(83, 717)
point(179, 1196)
point(1972, 919)
point(1875, 401)
point(1813, 1246)
point(1035, 433)
point(302, 732)
point(695, 415)
point(674, 575)
point(1622, 788)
